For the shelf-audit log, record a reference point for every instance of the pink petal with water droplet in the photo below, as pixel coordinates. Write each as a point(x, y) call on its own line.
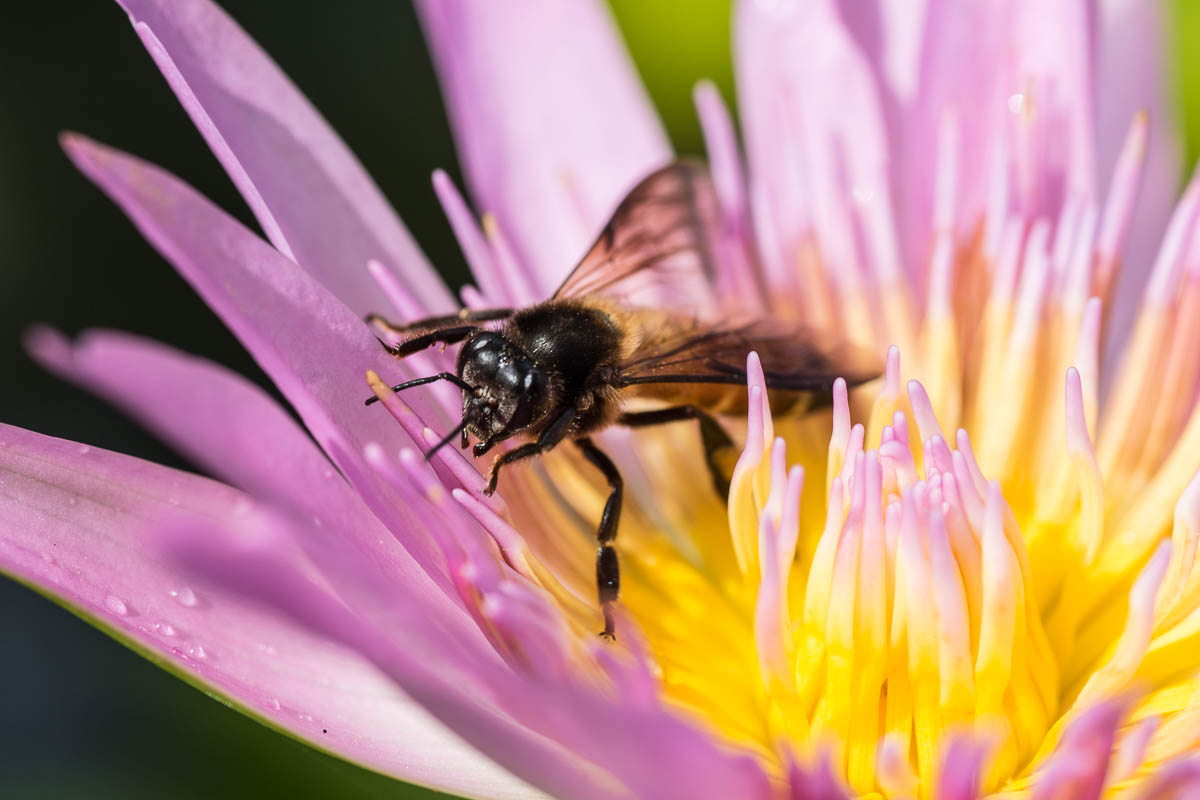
point(554, 733)
point(551, 122)
point(72, 524)
point(314, 200)
point(229, 427)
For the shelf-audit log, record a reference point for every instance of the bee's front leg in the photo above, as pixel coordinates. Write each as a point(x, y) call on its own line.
point(552, 435)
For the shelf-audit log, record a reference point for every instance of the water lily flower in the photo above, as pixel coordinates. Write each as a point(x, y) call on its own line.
point(976, 575)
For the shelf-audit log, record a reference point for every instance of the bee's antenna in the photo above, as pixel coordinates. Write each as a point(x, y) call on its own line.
point(441, 376)
point(462, 426)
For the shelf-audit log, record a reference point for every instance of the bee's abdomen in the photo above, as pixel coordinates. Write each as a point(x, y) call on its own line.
point(726, 399)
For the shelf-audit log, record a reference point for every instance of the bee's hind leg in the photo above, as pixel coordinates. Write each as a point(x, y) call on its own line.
point(716, 441)
point(608, 569)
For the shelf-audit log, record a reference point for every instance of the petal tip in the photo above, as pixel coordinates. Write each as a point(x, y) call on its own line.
point(48, 346)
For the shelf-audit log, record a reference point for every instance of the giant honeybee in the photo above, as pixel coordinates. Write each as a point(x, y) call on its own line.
point(637, 318)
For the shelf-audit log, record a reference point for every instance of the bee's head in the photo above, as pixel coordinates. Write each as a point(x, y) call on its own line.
point(509, 391)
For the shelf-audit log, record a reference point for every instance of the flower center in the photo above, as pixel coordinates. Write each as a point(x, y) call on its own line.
point(911, 614)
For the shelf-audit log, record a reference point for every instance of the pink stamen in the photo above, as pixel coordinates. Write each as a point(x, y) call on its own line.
point(900, 423)
point(946, 176)
point(1078, 283)
point(1164, 277)
point(522, 283)
point(1123, 191)
point(1063, 241)
point(1035, 280)
point(927, 422)
point(853, 450)
point(463, 471)
point(470, 240)
point(720, 143)
point(512, 545)
point(998, 225)
point(408, 306)
point(964, 447)
point(1008, 260)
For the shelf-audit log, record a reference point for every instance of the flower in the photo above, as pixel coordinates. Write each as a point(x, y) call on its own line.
point(1009, 608)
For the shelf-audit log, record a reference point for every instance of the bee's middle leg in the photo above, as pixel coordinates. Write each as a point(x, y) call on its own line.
point(712, 436)
point(608, 569)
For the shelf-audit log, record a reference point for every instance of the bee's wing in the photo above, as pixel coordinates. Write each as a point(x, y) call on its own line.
point(793, 358)
point(656, 250)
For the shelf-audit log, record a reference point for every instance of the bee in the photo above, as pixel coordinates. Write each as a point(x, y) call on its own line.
point(636, 319)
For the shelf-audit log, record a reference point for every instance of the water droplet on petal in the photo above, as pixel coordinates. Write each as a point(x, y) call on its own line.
point(306, 718)
point(272, 704)
point(185, 597)
point(197, 652)
point(83, 449)
point(1017, 103)
point(116, 605)
point(166, 629)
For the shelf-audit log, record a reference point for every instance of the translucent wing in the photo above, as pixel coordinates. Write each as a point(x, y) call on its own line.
point(792, 357)
point(656, 250)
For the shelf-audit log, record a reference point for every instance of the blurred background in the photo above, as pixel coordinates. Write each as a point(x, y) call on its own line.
point(83, 716)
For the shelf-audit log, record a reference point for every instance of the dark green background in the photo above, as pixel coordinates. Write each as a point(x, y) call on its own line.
point(82, 716)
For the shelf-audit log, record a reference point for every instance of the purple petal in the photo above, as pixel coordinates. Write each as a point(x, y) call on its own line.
point(1077, 768)
point(310, 194)
point(1132, 76)
point(233, 430)
point(314, 348)
point(71, 525)
point(458, 678)
point(962, 766)
point(552, 124)
point(1176, 780)
point(248, 559)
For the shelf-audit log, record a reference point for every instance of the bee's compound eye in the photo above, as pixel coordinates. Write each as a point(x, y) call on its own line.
point(535, 380)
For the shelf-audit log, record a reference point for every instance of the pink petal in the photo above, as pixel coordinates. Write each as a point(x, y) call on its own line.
point(1176, 780)
point(962, 765)
point(234, 431)
point(1077, 768)
point(551, 121)
point(313, 347)
point(312, 197)
point(1132, 76)
point(589, 740)
point(71, 525)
